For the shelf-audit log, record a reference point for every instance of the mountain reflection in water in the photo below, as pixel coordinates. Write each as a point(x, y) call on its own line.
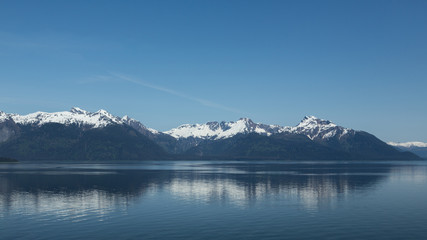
point(214, 200)
point(76, 190)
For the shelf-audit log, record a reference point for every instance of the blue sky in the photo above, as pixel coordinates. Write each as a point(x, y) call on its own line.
point(361, 64)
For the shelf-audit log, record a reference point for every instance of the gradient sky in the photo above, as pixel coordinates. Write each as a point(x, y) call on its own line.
point(360, 64)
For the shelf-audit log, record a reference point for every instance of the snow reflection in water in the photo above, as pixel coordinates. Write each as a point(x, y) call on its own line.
point(75, 192)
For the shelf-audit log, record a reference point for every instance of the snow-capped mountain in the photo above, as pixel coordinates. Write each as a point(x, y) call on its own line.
point(316, 128)
point(408, 144)
point(100, 136)
point(76, 116)
point(419, 148)
point(312, 127)
point(221, 130)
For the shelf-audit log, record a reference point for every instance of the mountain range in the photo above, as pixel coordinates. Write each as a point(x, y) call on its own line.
point(81, 135)
point(419, 148)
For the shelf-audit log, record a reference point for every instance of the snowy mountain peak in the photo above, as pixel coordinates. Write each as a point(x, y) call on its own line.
point(408, 144)
point(308, 117)
point(75, 116)
point(105, 113)
point(315, 128)
point(4, 116)
point(246, 120)
point(102, 111)
point(312, 120)
point(78, 110)
point(221, 130)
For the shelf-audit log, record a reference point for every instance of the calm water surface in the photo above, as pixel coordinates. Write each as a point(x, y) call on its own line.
point(214, 200)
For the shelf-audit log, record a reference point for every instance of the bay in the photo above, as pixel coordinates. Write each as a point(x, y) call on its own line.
point(214, 200)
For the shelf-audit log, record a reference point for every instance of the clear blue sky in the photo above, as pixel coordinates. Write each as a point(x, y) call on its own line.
point(361, 64)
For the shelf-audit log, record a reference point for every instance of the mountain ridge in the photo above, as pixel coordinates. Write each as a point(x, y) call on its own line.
point(235, 139)
point(408, 144)
point(310, 126)
point(419, 148)
point(102, 118)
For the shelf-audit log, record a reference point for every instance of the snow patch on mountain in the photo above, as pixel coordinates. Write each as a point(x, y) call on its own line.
point(137, 125)
point(408, 144)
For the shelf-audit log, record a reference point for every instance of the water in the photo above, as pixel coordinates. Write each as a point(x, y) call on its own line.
point(214, 200)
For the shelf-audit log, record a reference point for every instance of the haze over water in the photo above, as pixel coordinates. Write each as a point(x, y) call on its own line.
point(214, 200)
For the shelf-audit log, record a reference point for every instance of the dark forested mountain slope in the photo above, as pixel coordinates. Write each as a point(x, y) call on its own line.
point(55, 141)
point(297, 147)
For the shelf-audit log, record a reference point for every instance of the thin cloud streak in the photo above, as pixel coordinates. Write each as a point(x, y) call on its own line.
point(201, 101)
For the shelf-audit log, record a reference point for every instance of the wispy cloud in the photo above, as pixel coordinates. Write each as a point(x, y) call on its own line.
point(201, 101)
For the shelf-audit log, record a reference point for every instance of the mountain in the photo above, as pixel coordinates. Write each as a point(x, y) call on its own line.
point(221, 130)
point(75, 116)
point(275, 147)
point(191, 135)
point(81, 135)
point(312, 127)
point(288, 146)
point(419, 148)
point(75, 135)
point(312, 138)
